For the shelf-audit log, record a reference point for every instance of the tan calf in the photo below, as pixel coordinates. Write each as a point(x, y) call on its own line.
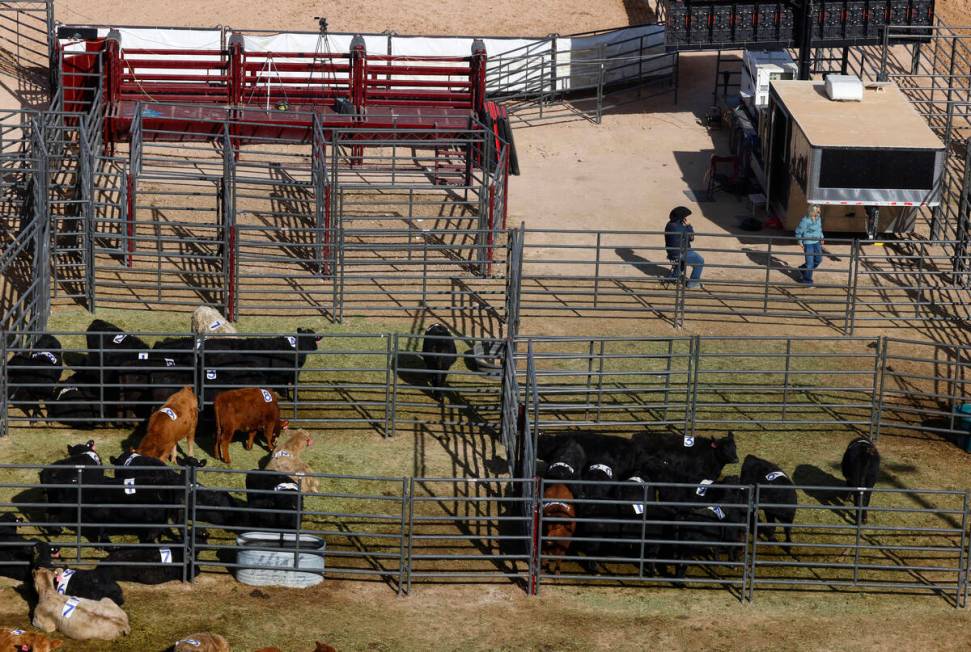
point(77, 618)
point(174, 421)
point(201, 642)
point(286, 459)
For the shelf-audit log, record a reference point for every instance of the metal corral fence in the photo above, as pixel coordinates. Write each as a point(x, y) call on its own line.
point(379, 382)
point(860, 283)
point(703, 385)
point(404, 531)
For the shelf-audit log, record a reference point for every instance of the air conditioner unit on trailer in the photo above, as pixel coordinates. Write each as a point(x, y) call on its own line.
point(759, 69)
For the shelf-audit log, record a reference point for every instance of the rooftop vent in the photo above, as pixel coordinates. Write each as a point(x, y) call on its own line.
point(844, 88)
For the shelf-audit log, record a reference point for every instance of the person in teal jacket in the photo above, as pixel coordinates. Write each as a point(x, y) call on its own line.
point(810, 236)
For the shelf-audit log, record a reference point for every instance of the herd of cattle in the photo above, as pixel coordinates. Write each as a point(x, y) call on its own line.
point(662, 496)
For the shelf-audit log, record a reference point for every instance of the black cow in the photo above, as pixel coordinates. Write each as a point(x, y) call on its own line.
point(567, 462)
point(32, 375)
point(110, 346)
point(152, 565)
point(712, 529)
point(438, 352)
point(861, 466)
point(92, 584)
point(279, 495)
point(16, 552)
point(62, 501)
point(76, 402)
point(214, 506)
point(673, 458)
point(776, 489)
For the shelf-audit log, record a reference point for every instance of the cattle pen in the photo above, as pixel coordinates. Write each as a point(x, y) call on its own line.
point(366, 186)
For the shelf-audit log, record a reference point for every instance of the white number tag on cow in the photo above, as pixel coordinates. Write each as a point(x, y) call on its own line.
point(210, 374)
point(775, 475)
point(293, 342)
point(170, 413)
point(689, 441)
point(190, 642)
point(129, 485)
point(143, 355)
point(94, 456)
point(609, 472)
point(131, 458)
point(16, 632)
point(64, 579)
point(703, 489)
point(286, 486)
point(215, 325)
point(169, 362)
point(65, 391)
point(46, 354)
point(68, 609)
point(166, 555)
point(118, 339)
point(283, 453)
point(267, 397)
point(638, 508)
point(717, 511)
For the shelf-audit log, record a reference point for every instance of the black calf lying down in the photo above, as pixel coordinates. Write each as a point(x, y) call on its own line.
point(776, 490)
point(16, 552)
point(33, 375)
point(156, 565)
point(93, 584)
point(214, 506)
point(75, 402)
point(272, 491)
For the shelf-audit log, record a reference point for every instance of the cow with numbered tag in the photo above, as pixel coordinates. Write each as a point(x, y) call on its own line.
point(201, 642)
point(20, 640)
point(78, 618)
point(110, 351)
point(153, 565)
point(559, 525)
point(669, 457)
point(776, 491)
point(250, 410)
point(273, 499)
point(32, 375)
point(567, 460)
point(70, 482)
point(286, 458)
point(174, 421)
point(76, 401)
point(94, 584)
point(206, 320)
point(713, 529)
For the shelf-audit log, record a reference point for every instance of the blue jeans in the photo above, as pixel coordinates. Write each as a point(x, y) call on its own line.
point(693, 258)
point(814, 258)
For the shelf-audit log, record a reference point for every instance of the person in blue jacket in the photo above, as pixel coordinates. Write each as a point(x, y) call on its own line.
point(810, 236)
point(675, 232)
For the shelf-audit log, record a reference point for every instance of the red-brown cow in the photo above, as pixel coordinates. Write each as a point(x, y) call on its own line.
point(248, 409)
point(174, 421)
point(558, 504)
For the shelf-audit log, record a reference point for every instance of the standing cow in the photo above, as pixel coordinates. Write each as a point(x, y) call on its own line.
point(174, 421)
point(438, 352)
point(33, 375)
point(248, 409)
point(861, 466)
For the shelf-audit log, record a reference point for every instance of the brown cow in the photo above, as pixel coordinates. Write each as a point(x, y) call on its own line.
point(18, 639)
point(558, 504)
point(248, 409)
point(174, 421)
point(201, 642)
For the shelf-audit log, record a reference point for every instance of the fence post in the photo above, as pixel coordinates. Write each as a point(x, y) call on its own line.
point(765, 285)
point(691, 418)
point(879, 375)
point(961, 595)
point(393, 362)
point(600, 377)
point(667, 378)
point(859, 536)
point(537, 539)
point(189, 516)
point(3, 385)
point(754, 521)
point(596, 272)
point(388, 365)
point(785, 377)
point(80, 518)
point(411, 532)
point(402, 536)
point(852, 279)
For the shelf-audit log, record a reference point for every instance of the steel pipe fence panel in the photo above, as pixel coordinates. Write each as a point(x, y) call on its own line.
point(913, 540)
point(639, 537)
point(467, 529)
point(610, 383)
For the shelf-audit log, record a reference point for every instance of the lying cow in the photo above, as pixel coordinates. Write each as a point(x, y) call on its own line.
point(75, 402)
point(201, 642)
point(286, 459)
point(209, 321)
point(152, 565)
point(174, 421)
point(78, 618)
point(249, 410)
point(82, 464)
point(93, 584)
point(32, 375)
point(16, 552)
point(273, 499)
point(438, 352)
point(19, 640)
